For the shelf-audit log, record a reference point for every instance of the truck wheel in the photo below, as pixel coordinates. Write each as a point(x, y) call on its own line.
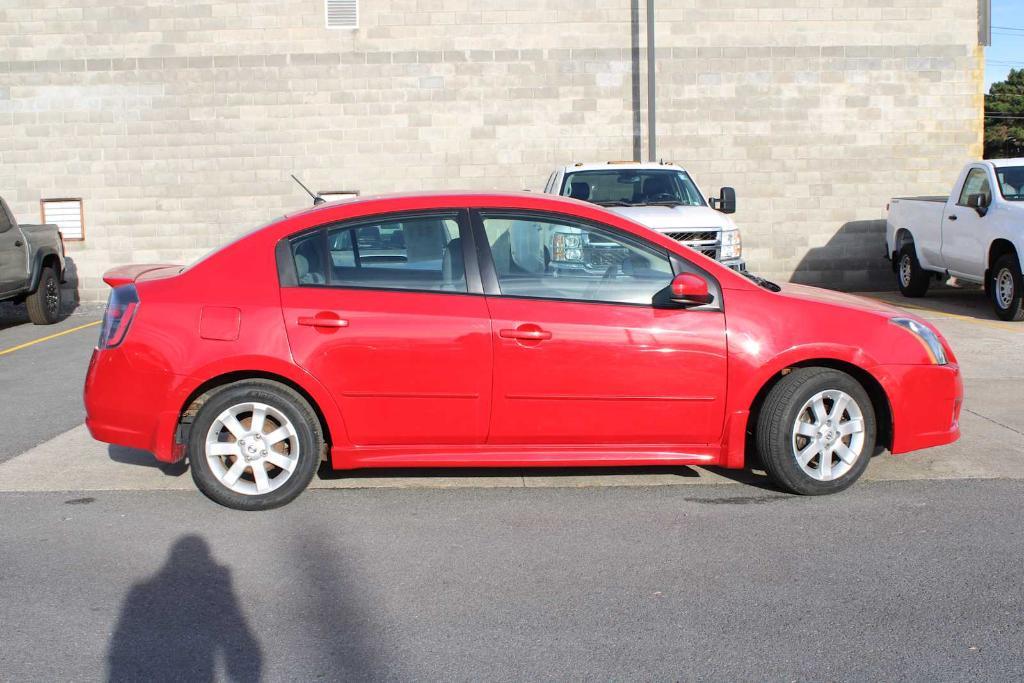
point(912, 278)
point(254, 445)
point(816, 431)
point(44, 303)
point(1007, 289)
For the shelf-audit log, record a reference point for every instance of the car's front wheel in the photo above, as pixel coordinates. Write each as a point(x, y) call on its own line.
point(1006, 288)
point(254, 445)
point(816, 431)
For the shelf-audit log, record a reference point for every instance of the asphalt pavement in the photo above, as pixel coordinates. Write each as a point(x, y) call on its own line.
point(114, 568)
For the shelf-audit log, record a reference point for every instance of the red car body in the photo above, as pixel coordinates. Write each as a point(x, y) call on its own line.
point(421, 379)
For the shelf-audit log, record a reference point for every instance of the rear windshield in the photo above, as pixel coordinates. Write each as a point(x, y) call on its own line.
point(1011, 182)
point(625, 187)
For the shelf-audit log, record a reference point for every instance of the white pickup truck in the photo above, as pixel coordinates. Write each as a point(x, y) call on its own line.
point(975, 234)
point(661, 196)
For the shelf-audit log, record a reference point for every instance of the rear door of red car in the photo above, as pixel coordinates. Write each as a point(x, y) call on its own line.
point(581, 356)
point(389, 315)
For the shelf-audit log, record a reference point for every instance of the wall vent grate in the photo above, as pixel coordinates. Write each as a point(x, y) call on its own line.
point(342, 13)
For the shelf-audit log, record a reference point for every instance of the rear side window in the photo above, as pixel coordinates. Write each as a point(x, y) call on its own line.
point(418, 253)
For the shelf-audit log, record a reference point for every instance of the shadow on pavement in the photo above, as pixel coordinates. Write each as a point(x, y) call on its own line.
point(184, 623)
point(134, 456)
point(954, 298)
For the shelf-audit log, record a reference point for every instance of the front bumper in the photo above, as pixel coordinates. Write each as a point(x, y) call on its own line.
point(925, 402)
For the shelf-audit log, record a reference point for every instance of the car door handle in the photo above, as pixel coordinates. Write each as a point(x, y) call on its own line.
point(310, 321)
point(525, 334)
point(19, 243)
point(951, 217)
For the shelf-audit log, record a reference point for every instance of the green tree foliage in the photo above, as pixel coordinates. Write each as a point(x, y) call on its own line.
point(1004, 135)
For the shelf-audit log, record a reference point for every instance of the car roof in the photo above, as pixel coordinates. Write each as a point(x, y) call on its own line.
point(999, 163)
point(399, 201)
point(622, 166)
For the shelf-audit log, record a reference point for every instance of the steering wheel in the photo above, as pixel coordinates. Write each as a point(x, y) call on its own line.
point(663, 197)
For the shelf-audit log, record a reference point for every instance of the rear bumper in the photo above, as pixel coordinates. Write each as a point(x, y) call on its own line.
point(129, 408)
point(926, 402)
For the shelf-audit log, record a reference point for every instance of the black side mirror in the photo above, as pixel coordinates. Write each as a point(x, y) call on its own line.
point(978, 202)
point(726, 200)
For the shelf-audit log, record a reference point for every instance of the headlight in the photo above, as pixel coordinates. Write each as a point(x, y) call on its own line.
point(929, 340)
point(732, 245)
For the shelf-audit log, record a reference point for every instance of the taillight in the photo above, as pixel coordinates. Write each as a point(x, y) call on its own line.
point(120, 310)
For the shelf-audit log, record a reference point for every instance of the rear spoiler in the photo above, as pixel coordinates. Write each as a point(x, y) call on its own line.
point(125, 275)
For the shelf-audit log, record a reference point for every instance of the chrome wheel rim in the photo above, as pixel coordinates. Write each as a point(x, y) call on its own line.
point(906, 270)
point(52, 296)
point(1004, 288)
point(828, 435)
point(252, 448)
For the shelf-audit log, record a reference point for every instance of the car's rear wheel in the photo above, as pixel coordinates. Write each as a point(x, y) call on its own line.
point(254, 445)
point(1007, 289)
point(44, 303)
point(913, 279)
point(816, 431)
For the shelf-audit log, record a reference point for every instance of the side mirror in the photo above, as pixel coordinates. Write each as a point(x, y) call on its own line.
point(725, 202)
point(685, 291)
point(978, 202)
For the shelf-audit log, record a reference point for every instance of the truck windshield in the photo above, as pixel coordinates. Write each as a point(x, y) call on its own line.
point(632, 187)
point(1011, 182)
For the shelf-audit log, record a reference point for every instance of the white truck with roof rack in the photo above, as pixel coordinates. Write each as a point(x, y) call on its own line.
point(661, 196)
point(975, 234)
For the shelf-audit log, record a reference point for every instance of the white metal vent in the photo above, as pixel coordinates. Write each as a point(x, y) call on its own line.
point(342, 13)
point(67, 215)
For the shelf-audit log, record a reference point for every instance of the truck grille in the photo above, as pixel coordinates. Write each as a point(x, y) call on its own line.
point(704, 241)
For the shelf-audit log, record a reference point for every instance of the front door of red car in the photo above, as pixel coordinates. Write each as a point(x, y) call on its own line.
point(383, 314)
point(580, 354)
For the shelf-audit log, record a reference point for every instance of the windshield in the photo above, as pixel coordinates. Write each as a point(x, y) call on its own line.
point(632, 187)
point(1011, 182)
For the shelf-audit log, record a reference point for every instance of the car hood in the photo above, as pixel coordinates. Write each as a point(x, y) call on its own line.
point(827, 296)
point(667, 217)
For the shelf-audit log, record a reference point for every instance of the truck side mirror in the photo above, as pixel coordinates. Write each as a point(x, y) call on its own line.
point(726, 200)
point(978, 202)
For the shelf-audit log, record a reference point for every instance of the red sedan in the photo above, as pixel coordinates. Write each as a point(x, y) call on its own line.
point(500, 330)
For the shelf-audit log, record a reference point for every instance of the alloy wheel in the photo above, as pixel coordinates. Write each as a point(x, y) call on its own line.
point(252, 448)
point(828, 435)
point(1004, 288)
point(906, 270)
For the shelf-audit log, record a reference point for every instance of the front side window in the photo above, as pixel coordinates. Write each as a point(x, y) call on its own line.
point(1011, 182)
point(412, 253)
point(549, 258)
point(976, 183)
point(624, 187)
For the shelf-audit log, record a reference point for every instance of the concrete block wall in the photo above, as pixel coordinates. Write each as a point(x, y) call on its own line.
point(179, 123)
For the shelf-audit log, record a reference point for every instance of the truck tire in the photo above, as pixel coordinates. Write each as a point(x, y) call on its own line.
point(1007, 289)
point(44, 303)
point(816, 431)
point(912, 278)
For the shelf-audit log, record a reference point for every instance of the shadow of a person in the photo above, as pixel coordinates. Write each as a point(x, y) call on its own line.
point(174, 625)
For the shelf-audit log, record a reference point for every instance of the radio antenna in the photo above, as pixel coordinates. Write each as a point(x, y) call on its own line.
point(317, 199)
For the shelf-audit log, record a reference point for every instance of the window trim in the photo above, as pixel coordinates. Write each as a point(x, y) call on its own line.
point(967, 179)
point(287, 276)
point(489, 274)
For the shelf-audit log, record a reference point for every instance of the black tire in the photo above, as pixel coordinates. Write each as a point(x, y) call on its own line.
point(776, 443)
point(1006, 288)
point(44, 303)
point(911, 277)
point(309, 438)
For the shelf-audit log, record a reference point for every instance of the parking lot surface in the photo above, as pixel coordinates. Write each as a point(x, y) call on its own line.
point(123, 570)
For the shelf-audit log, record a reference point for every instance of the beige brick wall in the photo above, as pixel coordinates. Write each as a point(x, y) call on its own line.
point(179, 122)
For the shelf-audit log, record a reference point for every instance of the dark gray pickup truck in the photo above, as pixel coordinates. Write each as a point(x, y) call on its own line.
point(31, 266)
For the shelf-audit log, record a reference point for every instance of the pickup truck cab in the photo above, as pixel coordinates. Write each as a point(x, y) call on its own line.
point(661, 196)
point(975, 234)
point(31, 266)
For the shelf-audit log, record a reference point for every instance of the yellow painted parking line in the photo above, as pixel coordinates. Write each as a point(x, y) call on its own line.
point(19, 347)
point(1009, 327)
